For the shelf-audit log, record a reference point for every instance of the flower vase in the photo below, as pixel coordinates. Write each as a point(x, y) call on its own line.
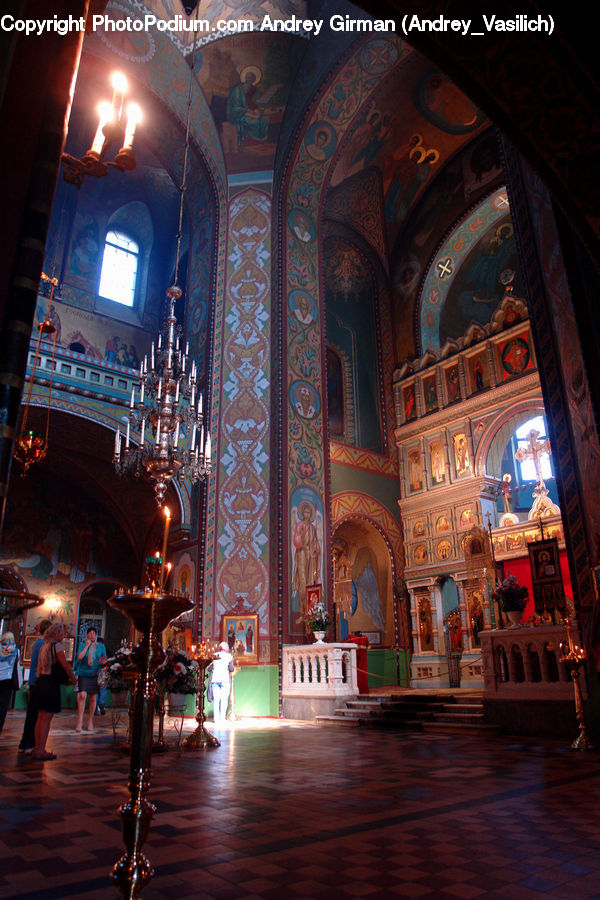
point(176, 702)
point(119, 698)
point(514, 617)
point(319, 635)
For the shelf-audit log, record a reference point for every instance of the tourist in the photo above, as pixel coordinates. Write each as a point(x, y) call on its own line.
point(220, 670)
point(48, 682)
point(27, 742)
point(89, 659)
point(9, 662)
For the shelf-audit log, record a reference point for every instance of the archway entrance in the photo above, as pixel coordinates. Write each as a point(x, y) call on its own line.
point(94, 612)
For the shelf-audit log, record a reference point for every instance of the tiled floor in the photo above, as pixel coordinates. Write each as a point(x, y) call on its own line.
point(292, 810)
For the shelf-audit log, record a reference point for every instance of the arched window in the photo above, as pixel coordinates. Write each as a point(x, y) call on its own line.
point(527, 465)
point(119, 268)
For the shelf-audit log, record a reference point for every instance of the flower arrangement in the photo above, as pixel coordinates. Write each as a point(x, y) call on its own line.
point(511, 595)
point(111, 673)
point(317, 618)
point(177, 674)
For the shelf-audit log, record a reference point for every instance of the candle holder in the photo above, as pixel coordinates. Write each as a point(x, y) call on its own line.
point(201, 737)
point(233, 716)
point(574, 660)
point(150, 612)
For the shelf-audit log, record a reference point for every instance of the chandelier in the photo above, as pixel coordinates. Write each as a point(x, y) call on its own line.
point(166, 408)
point(113, 128)
point(31, 446)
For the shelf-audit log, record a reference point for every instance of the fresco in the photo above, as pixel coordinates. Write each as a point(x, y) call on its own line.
point(99, 337)
point(57, 540)
point(246, 82)
point(478, 285)
point(307, 543)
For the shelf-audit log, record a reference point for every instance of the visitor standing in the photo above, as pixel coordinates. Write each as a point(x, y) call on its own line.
point(89, 659)
point(49, 679)
point(27, 743)
point(220, 678)
point(9, 661)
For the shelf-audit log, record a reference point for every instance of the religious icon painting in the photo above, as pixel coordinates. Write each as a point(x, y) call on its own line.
point(436, 457)
point(461, 453)
point(425, 625)
point(241, 633)
point(418, 529)
point(515, 356)
point(444, 550)
point(467, 518)
point(415, 470)
point(420, 554)
point(410, 403)
point(430, 394)
point(478, 373)
point(442, 523)
point(452, 384)
point(544, 562)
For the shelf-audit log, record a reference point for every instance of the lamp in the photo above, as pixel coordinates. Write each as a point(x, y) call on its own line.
point(168, 405)
point(113, 128)
point(30, 446)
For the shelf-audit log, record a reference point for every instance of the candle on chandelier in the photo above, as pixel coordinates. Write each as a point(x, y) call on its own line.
point(176, 437)
point(142, 392)
point(208, 448)
point(164, 546)
point(152, 355)
point(127, 436)
point(143, 433)
point(132, 401)
point(118, 442)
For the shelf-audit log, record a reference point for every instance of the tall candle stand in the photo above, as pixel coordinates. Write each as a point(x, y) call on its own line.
point(150, 611)
point(574, 660)
point(233, 716)
point(201, 737)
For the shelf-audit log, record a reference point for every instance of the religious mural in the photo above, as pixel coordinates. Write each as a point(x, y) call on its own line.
point(307, 548)
point(57, 541)
point(246, 83)
point(99, 337)
point(425, 624)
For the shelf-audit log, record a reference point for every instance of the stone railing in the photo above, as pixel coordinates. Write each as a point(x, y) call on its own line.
point(317, 679)
point(523, 663)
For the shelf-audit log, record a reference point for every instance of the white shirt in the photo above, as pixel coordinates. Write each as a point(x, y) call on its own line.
point(220, 667)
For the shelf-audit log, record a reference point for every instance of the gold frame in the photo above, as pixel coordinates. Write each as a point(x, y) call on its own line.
point(245, 657)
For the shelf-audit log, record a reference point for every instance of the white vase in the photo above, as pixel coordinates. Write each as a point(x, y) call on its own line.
point(319, 635)
point(514, 617)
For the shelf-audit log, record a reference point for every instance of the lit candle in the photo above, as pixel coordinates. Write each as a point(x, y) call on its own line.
point(177, 392)
point(145, 363)
point(159, 392)
point(152, 355)
point(142, 392)
point(117, 442)
point(157, 441)
point(187, 347)
point(164, 546)
point(132, 401)
point(208, 448)
point(134, 117)
point(105, 111)
point(200, 405)
point(143, 432)
point(159, 340)
point(127, 436)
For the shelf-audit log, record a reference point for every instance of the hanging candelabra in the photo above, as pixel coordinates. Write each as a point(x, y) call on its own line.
point(166, 408)
point(31, 446)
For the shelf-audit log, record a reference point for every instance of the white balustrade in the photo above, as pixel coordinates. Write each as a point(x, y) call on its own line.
point(317, 678)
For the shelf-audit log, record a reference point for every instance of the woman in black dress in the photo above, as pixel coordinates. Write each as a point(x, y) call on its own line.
point(48, 687)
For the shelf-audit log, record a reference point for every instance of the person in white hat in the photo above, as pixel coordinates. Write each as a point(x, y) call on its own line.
point(220, 678)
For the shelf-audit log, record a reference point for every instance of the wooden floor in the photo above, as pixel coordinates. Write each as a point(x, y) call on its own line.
point(291, 810)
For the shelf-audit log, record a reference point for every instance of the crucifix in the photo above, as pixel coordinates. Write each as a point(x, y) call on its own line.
point(535, 451)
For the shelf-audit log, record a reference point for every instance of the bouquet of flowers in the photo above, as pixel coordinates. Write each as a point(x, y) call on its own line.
point(317, 618)
point(111, 673)
point(511, 594)
point(177, 674)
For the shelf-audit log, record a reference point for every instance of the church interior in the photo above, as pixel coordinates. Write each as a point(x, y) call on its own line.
point(369, 253)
